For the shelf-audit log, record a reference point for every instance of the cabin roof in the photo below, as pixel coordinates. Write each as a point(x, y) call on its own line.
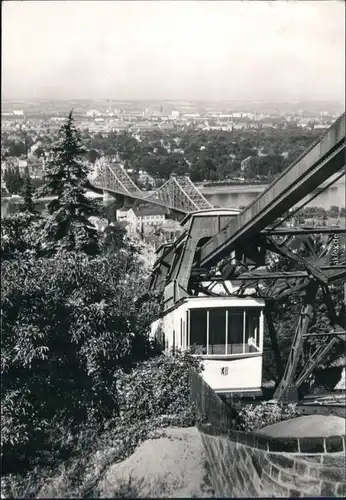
point(222, 301)
point(211, 212)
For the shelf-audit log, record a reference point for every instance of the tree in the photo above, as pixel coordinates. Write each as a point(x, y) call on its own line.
point(93, 155)
point(69, 323)
point(111, 152)
point(18, 234)
point(14, 181)
point(16, 148)
point(27, 192)
point(114, 237)
point(67, 226)
point(39, 152)
point(333, 212)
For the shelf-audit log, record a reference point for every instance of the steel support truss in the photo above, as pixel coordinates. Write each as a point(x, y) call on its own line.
point(315, 272)
point(181, 194)
point(113, 178)
point(286, 384)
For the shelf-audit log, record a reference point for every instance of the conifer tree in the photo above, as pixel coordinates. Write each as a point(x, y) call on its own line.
point(14, 181)
point(27, 192)
point(67, 226)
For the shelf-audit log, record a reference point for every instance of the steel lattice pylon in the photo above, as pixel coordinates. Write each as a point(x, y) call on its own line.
point(112, 177)
point(178, 193)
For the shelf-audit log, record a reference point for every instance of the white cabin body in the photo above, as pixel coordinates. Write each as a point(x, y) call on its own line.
point(226, 332)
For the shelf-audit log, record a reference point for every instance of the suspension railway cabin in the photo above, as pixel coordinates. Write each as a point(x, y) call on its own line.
point(226, 332)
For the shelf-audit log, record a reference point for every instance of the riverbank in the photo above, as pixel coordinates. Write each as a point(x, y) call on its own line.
point(9, 204)
point(19, 199)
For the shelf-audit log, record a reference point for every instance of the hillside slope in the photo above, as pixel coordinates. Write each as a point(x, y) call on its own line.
point(171, 466)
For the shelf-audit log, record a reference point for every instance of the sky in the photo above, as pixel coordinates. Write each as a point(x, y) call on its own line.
point(248, 50)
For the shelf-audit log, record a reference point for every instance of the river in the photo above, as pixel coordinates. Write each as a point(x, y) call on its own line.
point(239, 196)
point(11, 205)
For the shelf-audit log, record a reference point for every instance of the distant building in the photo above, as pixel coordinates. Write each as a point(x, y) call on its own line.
point(245, 163)
point(92, 112)
point(240, 125)
point(304, 124)
point(122, 215)
point(145, 178)
point(226, 116)
point(175, 114)
point(170, 229)
point(3, 168)
point(99, 223)
point(145, 216)
point(22, 165)
point(10, 162)
point(267, 125)
point(58, 119)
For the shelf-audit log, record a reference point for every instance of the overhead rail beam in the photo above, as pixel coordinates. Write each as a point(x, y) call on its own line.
point(322, 160)
point(287, 231)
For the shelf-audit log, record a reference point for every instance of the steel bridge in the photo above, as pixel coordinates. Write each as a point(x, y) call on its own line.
point(220, 245)
point(178, 193)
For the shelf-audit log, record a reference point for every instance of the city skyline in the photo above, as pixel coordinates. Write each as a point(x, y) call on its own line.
point(232, 51)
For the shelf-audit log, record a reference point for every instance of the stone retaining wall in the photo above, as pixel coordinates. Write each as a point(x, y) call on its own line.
point(242, 464)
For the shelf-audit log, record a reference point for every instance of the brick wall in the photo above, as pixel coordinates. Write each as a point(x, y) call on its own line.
point(244, 464)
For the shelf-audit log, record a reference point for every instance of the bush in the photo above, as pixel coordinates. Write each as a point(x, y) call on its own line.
point(255, 417)
point(156, 388)
point(97, 446)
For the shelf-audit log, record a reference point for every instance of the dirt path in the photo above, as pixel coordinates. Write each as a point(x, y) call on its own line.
point(170, 466)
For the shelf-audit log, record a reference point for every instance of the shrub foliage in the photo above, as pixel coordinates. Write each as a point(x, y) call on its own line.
point(68, 324)
point(255, 417)
point(157, 388)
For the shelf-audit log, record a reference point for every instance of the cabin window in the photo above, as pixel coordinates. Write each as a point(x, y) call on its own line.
point(198, 331)
point(235, 335)
point(183, 341)
point(224, 330)
point(252, 325)
point(174, 266)
point(217, 331)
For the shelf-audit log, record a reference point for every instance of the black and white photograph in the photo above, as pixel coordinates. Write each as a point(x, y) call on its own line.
point(173, 249)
